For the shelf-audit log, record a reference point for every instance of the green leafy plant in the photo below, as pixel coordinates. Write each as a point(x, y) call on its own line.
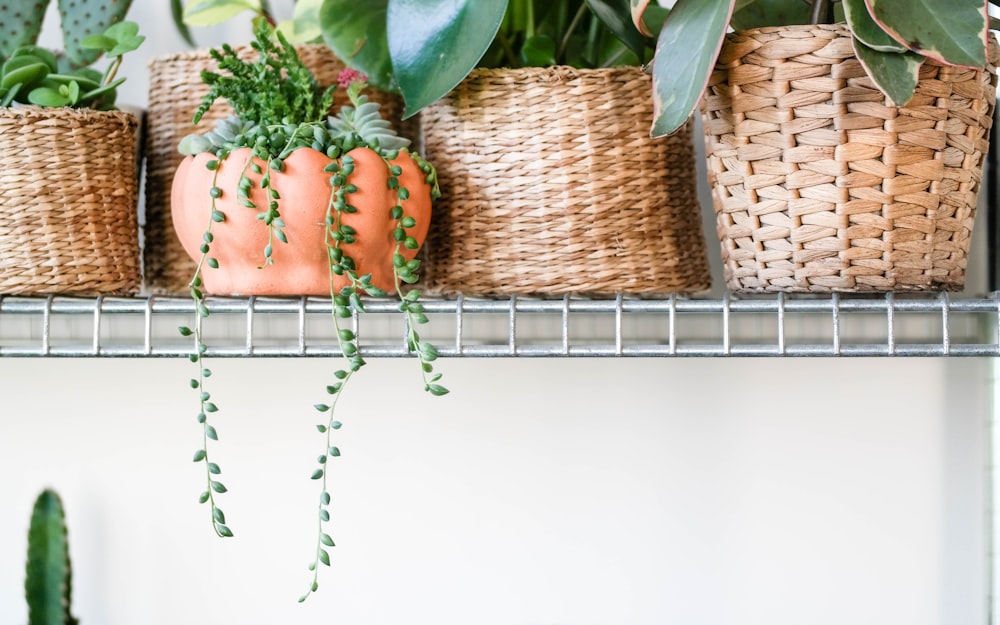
point(279, 110)
point(48, 574)
point(30, 74)
point(892, 39)
point(203, 13)
point(423, 49)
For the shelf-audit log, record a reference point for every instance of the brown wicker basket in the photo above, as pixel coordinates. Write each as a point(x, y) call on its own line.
point(68, 202)
point(552, 185)
point(175, 92)
point(820, 184)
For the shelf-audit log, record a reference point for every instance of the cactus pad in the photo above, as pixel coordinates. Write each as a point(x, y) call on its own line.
point(20, 23)
point(81, 18)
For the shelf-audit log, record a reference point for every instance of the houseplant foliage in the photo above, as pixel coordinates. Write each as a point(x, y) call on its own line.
point(280, 180)
point(59, 126)
point(33, 75)
point(891, 38)
point(424, 48)
point(48, 575)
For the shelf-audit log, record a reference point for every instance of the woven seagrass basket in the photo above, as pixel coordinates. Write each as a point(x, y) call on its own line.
point(175, 92)
point(68, 202)
point(821, 184)
point(551, 185)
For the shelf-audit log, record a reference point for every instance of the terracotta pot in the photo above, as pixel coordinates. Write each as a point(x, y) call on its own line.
point(300, 266)
point(175, 92)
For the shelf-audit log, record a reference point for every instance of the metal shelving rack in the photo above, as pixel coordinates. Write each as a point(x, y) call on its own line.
point(760, 326)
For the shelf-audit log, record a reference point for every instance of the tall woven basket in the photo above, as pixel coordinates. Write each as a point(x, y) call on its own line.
point(175, 92)
point(68, 202)
point(551, 185)
point(821, 184)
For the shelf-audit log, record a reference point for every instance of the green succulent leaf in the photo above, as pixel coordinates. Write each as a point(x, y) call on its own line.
point(895, 73)
point(866, 30)
point(77, 24)
point(118, 39)
point(434, 44)
point(356, 32)
point(42, 54)
point(951, 32)
point(686, 51)
point(47, 96)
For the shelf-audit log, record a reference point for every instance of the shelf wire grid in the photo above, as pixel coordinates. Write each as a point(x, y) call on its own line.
point(673, 326)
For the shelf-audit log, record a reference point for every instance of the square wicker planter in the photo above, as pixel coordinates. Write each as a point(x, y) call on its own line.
point(68, 202)
point(552, 185)
point(821, 184)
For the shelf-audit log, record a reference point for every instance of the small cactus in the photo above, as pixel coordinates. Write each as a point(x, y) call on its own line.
point(82, 18)
point(21, 24)
point(47, 584)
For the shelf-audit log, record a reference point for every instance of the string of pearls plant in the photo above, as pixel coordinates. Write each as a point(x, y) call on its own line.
point(279, 110)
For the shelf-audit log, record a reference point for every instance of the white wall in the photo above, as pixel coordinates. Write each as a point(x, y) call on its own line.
point(640, 492)
point(540, 492)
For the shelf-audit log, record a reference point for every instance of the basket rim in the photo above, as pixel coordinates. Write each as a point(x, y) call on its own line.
point(33, 112)
point(201, 54)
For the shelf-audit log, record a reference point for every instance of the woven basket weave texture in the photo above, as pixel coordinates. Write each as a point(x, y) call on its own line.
point(68, 202)
point(175, 92)
point(552, 185)
point(821, 184)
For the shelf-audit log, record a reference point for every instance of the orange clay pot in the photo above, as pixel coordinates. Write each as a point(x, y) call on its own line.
point(300, 266)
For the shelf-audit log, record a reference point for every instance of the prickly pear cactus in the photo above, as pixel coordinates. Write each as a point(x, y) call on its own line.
point(20, 24)
point(81, 18)
point(47, 585)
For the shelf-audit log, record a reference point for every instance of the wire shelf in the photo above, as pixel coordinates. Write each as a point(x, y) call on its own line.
point(778, 325)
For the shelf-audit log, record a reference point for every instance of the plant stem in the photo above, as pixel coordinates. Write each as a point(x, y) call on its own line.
point(822, 12)
point(580, 13)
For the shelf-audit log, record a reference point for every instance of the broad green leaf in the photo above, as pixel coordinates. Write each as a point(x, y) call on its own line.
point(951, 32)
point(177, 13)
point(304, 25)
point(356, 32)
point(538, 51)
point(895, 73)
point(686, 51)
point(212, 12)
point(434, 44)
point(638, 9)
point(770, 13)
point(866, 30)
point(615, 15)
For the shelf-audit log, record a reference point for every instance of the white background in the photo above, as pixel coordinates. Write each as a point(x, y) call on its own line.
point(540, 492)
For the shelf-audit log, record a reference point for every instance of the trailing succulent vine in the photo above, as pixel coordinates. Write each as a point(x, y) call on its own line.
point(279, 108)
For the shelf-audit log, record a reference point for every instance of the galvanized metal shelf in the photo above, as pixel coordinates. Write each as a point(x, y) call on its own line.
point(778, 325)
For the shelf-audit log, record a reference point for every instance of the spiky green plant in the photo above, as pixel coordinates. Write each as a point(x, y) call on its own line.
point(47, 584)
